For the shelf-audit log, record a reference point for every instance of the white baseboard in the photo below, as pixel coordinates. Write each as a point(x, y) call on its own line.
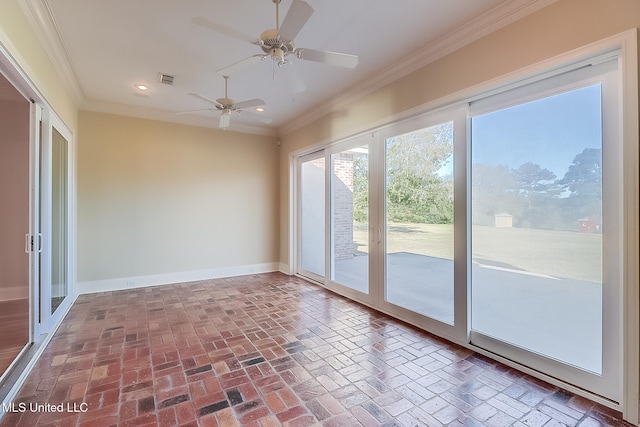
point(94, 286)
point(285, 268)
point(12, 293)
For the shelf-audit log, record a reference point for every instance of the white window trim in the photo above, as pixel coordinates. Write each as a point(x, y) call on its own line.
point(631, 180)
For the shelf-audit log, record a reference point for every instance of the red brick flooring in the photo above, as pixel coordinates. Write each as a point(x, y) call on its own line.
point(271, 350)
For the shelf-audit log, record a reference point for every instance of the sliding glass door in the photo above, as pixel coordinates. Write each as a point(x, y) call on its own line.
point(59, 220)
point(333, 210)
point(419, 226)
point(35, 259)
point(495, 223)
point(312, 216)
point(55, 222)
point(544, 290)
point(349, 219)
point(537, 228)
point(376, 219)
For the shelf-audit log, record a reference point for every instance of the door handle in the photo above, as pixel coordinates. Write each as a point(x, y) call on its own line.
point(29, 243)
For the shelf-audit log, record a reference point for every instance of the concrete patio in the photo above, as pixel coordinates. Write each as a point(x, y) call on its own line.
point(560, 318)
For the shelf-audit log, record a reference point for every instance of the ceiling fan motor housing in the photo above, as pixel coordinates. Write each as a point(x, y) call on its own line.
point(271, 40)
point(225, 104)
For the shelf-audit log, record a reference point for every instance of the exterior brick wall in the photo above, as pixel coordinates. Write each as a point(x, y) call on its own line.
point(342, 206)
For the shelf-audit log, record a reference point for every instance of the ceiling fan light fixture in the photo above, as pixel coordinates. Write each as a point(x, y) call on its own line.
point(225, 118)
point(277, 55)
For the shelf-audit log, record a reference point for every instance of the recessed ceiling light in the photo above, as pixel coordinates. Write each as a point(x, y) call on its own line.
point(142, 87)
point(259, 109)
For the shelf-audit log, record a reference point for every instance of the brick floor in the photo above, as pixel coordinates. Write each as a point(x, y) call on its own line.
point(271, 350)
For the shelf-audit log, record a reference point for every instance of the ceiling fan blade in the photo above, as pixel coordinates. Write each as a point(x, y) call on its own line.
point(204, 98)
point(298, 14)
point(331, 58)
point(225, 119)
point(240, 65)
point(207, 23)
point(195, 111)
point(249, 104)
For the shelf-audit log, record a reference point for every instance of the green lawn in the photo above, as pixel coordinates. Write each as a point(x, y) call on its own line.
point(562, 254)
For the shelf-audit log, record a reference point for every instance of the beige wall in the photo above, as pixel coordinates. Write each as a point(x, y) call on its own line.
point(155, 198)
point(158, 198)
point(563, 26)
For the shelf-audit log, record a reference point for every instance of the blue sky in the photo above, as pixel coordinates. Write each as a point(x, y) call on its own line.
point(549, 131)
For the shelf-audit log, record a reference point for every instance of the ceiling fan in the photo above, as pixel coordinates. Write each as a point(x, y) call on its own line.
point(278, 43)
point(227, 105)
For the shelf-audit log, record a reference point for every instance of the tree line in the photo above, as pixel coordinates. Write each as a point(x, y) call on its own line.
point(536, 197)
point(418, 191)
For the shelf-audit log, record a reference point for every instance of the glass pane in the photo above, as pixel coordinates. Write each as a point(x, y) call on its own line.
point(59, 220)
point(350, 218)
point(312, 176)
point(14, 223)
point(536, 233)
point(419, 230)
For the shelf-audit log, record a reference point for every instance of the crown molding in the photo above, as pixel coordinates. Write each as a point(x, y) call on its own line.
point(500, 16)
point(38, 13)
point(168, 116)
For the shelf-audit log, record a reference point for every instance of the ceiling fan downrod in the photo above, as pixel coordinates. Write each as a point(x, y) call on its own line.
point(277, 2)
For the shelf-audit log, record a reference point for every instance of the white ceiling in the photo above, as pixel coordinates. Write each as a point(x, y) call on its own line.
point(103, 48)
